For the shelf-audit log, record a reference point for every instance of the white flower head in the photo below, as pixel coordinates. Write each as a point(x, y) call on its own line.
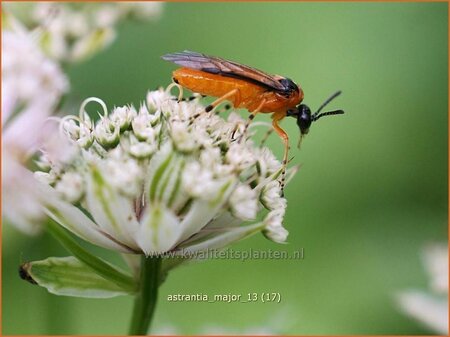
point(161, 180)
point(143, 10)
point(82, 132)
point(268, 163)
point(183, 139)
point(32, 86)
point(122, 172)
point(145, 125)
point(241, 157)
point(107, 133)
point(274, 229)
point(122, 116)
point(31, 83)
point(48, 178)
point(244, 202)
point(430, 307)
point(435, 259)
point(140, 148)
point(91, 44)
point(21, 196)
point(71, 186)
point(71, 33)
point(156, 99)
point(271, 196)
point(199, 182)
point(107, 15)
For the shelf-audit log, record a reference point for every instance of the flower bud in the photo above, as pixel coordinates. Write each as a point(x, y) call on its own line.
point(183, 140)
point(244, 203)
point(240, 157)
point(122, 116)
point(274, 229)
point(71, 187)
point(145, 124)
point(140, 149)
point(155, 99)
point(107, 133)
point(271, 196)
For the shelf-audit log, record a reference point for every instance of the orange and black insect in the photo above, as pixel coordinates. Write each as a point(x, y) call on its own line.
point(247, 88)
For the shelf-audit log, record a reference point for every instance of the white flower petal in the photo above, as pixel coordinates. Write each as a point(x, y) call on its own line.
point(202, 212)
point(159, 165)
point(113, 212)
point(20, 135)
point(225, 219)
point(217, 225)
point(436, 262)
point(73, 219)
point(92, 43)
point(220, 239)
point(426, 309)
point(159, 229)
point(21, 195)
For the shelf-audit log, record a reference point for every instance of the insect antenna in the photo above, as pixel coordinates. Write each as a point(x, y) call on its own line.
point(318, 115)
point(329, 113)
point(324, 104)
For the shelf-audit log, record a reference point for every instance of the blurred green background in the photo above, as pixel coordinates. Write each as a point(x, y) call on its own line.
point(371, 191)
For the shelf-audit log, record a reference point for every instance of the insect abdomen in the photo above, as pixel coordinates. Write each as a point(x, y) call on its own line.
point(215, 85)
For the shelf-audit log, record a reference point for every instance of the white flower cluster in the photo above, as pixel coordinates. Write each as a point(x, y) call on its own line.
point(430, 307)
point(72, 32)
point(155, 179)
point(36, 37)
point(32, 86)
point(30, 81)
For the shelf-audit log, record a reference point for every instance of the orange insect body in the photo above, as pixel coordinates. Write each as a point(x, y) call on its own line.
point(248, 88)
point(249, 95)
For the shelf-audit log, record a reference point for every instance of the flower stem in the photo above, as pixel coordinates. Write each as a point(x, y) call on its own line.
point(145, 302)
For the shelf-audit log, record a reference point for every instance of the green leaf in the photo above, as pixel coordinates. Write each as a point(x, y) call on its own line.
point(103, 268)
point(67, 276)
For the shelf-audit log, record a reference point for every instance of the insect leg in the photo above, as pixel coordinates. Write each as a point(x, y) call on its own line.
point(283, 135)
point(233, 93)
point(266, 136)
point(223, 109)
point(250, 118)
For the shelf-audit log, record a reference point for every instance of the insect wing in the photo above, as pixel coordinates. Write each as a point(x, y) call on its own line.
point(216, 65)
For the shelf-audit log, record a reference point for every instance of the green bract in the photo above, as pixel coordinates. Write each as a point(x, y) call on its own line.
point(70, 277)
